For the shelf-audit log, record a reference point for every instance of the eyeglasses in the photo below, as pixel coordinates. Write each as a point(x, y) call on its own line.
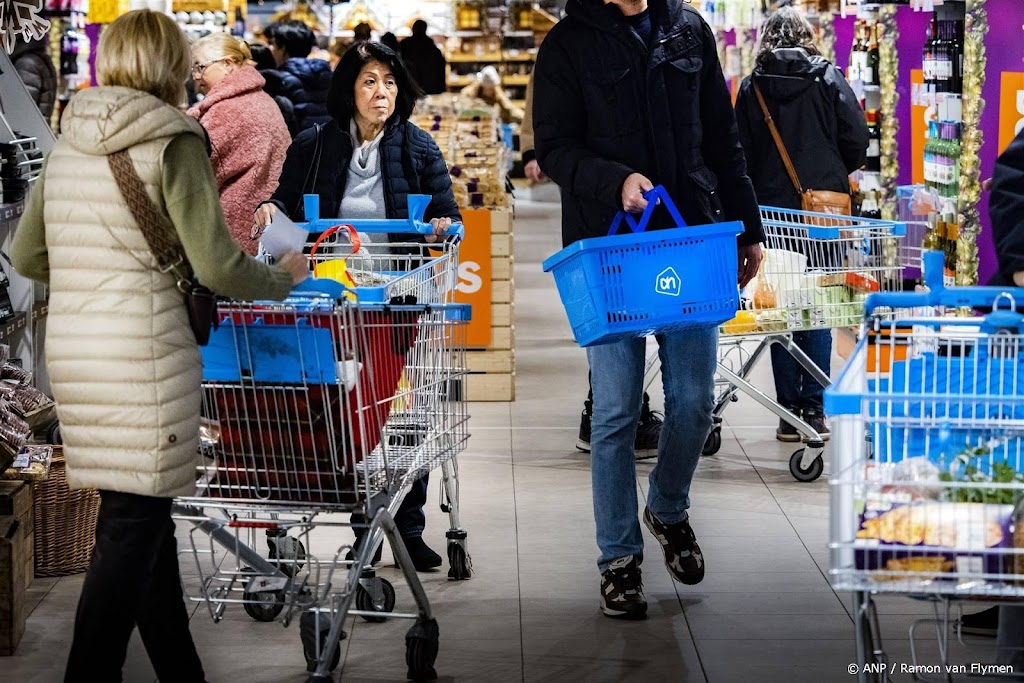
point(199, 69)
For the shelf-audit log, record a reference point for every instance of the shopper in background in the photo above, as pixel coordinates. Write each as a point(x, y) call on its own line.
point(306, 81)
point(274, 85)
point(530, 166)
point(371, 159)
point(120, 353)
point(487, 88)
point(390, 40)
point(630, 94)
point(362, 33)
point(38, 74)
point(425, 60)
point(248, 135)
point(826, 135)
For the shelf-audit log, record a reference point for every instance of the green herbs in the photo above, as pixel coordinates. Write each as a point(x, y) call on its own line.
point(1002, 473)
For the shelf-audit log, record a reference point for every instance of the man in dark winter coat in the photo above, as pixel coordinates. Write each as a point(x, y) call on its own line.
point(629, 94)
point(424, 60)
point(305, 81)
point(37, 73)
point(274, 85)
point(1006, 208)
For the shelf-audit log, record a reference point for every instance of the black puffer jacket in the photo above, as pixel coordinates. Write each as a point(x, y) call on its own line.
point(410, 162)
point(818, 117)
point(274, 87)
point(37, 73)
point(306, 83)
point(425, 62)
point(1006, 208)
point(606, 106)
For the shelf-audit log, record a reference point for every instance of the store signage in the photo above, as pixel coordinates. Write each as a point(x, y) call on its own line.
point(1011, 107)
point(475, 275)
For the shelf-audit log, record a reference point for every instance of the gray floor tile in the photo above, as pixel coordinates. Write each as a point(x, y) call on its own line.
point(787, 661)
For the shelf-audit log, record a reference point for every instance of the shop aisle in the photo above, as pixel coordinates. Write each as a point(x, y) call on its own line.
point(764, 613)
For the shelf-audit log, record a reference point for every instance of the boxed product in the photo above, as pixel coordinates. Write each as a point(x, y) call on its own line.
point(31, 464)
point(771, 321)
point(862, 282)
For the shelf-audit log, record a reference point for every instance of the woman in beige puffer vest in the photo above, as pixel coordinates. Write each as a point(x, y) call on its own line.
point(120, 353)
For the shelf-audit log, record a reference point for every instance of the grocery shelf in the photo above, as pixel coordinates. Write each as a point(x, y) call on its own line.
point(9, 328)
point(515, 80)
point(467, 57)
point(10, 213)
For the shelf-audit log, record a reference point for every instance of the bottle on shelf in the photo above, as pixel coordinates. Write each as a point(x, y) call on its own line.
point(874, 59)
point(869, 207)
point(931, 240)
point(943, 64)
point(874, 153)
point(952, 241)
point(928, 57)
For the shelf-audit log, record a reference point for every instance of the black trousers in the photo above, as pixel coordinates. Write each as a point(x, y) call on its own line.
point(133, 580)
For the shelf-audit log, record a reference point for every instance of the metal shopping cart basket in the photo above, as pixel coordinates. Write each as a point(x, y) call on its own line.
point(818, 270)
point(334, 401)
point(927, 483)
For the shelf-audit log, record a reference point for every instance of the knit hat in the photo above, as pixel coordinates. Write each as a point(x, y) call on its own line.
point(489, 76)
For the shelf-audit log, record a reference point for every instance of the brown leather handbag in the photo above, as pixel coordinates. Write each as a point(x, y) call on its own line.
point(200, 301)
point(816, 201)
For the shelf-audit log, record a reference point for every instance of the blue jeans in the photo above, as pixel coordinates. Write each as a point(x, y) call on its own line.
point(688, 373)
point(795, 389)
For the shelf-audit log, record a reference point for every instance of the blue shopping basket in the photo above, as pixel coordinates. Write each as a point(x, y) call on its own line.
point(643, 283)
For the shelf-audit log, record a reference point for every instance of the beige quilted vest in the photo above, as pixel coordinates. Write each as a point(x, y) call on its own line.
point(122, 360)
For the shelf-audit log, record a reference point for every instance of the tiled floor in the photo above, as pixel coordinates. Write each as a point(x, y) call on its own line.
point(765, 612)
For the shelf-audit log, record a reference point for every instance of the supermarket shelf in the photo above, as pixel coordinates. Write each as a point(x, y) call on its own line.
point(469, 34)
point(467, 57)
point(9, 328)
point(521, 57)
point(40, 310)
point(460, 81)
point(10, 213)
point(515, 80)
point(517, 34)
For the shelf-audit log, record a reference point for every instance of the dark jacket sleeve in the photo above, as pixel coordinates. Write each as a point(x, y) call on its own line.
point(853, 127)
point(1006, 208)
point(296, 169)
point(437, 182)
point(40, 78)
point(722, 150)
point(744, 101)
point(559, 122)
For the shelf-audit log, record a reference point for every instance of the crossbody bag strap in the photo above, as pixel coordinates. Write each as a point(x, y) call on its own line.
point(779, 144)
point(155, 227)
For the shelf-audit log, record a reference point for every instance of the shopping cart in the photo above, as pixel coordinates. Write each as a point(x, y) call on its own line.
point(927, 485)
point(334, 401)
point(818, 270)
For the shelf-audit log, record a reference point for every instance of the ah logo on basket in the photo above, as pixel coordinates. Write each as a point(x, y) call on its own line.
point(668, 283)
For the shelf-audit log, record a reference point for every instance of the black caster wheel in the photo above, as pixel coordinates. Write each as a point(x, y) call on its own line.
point(459, 563)
point(263, 606)
point(309, 637)
point(812, 472)
point(287, 553)
point(53, 436)
point(421, 645)
point(365, 603)
point(713, 443)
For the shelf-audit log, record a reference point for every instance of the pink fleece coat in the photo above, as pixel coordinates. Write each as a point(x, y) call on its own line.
point(249, 140)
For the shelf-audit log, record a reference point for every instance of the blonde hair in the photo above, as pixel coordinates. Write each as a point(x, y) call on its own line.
point(145, 50)
point(223, 46)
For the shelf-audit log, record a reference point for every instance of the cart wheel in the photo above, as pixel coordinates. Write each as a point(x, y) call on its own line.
point(812, 472)
point(263, 606)
point(307, 627)
point(290, 550)
point(53, 436)
point(365, 603)
point(461, 566)
point(713, 443)
point(421, 645)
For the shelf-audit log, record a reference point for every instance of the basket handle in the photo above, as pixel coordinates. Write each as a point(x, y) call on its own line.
point(654, 196)
point(352, 235)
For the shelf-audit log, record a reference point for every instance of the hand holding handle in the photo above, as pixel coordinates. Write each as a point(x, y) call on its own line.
point(655, 196)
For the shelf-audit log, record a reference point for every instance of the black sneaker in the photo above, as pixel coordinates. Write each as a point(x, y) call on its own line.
point(786, 432)
point(583, 442)
point(682, 554)
point(984, 623)
point(622, 590)
point(819, 423)
point(648, 433)
point(423, 558)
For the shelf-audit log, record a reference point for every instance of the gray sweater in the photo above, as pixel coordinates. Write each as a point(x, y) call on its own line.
point(364, 188)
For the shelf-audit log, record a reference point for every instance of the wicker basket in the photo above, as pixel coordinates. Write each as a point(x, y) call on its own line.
point(65, 523)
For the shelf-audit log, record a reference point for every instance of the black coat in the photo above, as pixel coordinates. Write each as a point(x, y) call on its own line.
point(305, 83)
point(411, 163)
point(607, 106)
point(1006, 208)
point(819, 119)
point(274, 87)
point(37, 73)
point(426, 63)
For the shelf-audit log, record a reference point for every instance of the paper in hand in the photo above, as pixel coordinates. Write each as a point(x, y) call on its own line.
point(282, 236)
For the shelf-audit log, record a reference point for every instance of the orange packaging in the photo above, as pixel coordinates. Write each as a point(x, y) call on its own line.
point(862, 282)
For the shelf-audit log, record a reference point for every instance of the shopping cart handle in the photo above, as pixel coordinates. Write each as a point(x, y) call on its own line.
point(417, 206)
point(939, 295)
point(654, 196)
point(320, 287)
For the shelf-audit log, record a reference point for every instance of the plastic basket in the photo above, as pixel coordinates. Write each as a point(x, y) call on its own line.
point(643, 283)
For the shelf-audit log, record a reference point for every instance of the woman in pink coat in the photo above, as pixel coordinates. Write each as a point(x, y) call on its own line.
point(247, 133)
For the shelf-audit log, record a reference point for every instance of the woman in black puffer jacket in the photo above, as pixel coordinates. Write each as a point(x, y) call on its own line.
point(826, 135)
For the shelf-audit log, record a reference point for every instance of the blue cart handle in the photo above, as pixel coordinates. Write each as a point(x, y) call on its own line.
point(315, 287)
point(414, 224)
point(939, 295)
point(653, 196)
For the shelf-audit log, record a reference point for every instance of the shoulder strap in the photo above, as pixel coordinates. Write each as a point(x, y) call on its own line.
point(314, 168)
point(155, 226)
point(779, 144)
